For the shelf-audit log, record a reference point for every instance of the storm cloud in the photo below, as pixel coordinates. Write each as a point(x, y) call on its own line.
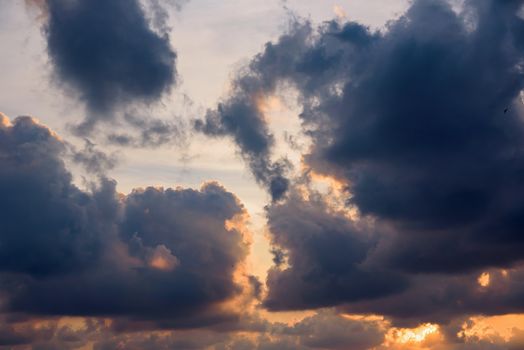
point(428, 135)
point(421, 122)
point(325, 257)
point(48, 225)
point(109, 54)
point(156, 256)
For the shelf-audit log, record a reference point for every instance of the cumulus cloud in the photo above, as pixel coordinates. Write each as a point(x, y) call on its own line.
point(109, 54)
point(163, 257)
point(48, 225)
point(325, 257)
point(422, 123)
point(422, 138)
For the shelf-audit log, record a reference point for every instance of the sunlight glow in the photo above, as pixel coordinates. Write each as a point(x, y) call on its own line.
point(484, 279)
point(413, 335)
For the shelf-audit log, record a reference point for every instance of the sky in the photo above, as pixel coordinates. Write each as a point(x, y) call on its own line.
point(285, 174)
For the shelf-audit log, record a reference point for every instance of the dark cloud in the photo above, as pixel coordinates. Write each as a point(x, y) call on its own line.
point(46, 334)
point(155, 258)
point(241, 118)
point(423, 124)
point(109, 54)
point(240, 115)
point(324, 330)
point(290, 59)
point(444, 298)
point(326, 258)
point(328, 330)
point(420, 135)
point(48, 225)
point(325, 255)
point(181, 268)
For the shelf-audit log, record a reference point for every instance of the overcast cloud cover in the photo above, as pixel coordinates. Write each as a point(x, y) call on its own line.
point(401, 226)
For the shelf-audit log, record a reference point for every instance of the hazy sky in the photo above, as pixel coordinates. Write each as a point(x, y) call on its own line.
point(284, 174)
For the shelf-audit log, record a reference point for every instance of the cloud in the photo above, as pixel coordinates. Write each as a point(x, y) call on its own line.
point(328, 330)
point(421, 123)
point(444, 298)
point(92, 159)
point(241, 117)
point(107, 52)
point(325, 330)
point(48, 225)
point(148, 132)
point(325, 255)
point(420, 135)
point(155, 258)
point(290, 60)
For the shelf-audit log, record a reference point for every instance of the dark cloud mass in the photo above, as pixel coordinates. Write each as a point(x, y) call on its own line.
point(443, 298)
point(48, 225)
point(108, 52)
point(162, 256)
point(423, 124)
point(421, 136)
point(325, 258)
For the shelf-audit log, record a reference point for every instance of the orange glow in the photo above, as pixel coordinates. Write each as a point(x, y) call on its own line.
point(334, 192)
point(242, 303)
point(268, 104)
point(162, 259)
point(484, 279)
point(487, 328)
point(287, 317)
point(329, 181)
point(412, 335)
point(160, 263)
point(339, 12)
point(4, 120)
